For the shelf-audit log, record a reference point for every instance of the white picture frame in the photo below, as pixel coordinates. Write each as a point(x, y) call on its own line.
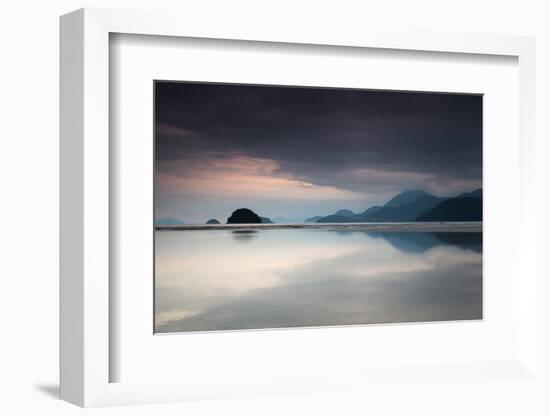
point(85, 208)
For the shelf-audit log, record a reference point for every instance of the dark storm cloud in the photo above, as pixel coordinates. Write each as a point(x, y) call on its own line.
point(321, 135)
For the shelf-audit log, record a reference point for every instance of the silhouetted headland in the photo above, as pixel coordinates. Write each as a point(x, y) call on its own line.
point(244, 216)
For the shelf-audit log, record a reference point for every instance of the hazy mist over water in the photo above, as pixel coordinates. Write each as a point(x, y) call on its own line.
point(248, 279)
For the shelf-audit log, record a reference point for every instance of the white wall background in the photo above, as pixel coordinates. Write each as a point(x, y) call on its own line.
point(29, 205)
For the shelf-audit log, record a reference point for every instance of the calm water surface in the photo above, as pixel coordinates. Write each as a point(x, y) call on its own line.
point(247, 279)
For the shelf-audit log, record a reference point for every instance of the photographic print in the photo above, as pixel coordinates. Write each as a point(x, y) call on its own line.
point(283, 206)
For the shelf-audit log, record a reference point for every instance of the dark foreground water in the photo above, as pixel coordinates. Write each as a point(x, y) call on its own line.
point(227, 279)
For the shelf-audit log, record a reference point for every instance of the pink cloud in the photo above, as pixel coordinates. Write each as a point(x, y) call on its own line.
point(246, 177)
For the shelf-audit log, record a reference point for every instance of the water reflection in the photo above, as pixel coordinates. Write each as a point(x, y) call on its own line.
point(243, 236)
point(287, 278)
point(421, 242)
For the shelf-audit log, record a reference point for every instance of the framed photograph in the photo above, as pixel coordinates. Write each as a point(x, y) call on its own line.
point(266, 212)
point(242, 172)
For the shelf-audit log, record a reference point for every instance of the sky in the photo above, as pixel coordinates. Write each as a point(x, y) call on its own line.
point(297, 152)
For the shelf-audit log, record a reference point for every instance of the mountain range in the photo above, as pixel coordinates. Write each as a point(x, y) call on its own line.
point(168, 222)
point(288, 219)
point(408, 206)
point(417, 205)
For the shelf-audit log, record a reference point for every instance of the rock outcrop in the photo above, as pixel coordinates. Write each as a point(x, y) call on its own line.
point(244, 216)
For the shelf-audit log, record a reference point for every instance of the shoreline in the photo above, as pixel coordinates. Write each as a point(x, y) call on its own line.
point(463, 227)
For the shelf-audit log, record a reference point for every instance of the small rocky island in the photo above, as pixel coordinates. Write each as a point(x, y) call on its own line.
point(244, 216)
point(213, 221)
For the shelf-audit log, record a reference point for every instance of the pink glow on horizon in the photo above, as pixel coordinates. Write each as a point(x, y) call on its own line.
point(243, 176)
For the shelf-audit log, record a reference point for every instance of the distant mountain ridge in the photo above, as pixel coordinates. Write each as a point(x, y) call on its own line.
point(344, 213)
point(281, 219)
point(416, 205)
point(313, 219)
point(460, 208)
point(372, 210)
point(168, 221)
point(478, 193)
point(336, 218)
point(408, 206)
point(406, 197)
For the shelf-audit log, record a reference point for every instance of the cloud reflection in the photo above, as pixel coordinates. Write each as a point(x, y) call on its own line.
point(290, 278)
